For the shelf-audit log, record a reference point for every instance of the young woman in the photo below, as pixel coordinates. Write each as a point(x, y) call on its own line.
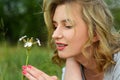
point(84, 36)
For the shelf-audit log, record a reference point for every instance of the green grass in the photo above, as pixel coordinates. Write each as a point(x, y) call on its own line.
point(13, 57)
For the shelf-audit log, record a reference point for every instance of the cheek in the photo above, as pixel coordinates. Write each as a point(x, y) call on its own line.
point(76, 37)
point(78, 43)
point(80, 39)
point(68, 35)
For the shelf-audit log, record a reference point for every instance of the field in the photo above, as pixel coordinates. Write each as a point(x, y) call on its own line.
point(13, 57)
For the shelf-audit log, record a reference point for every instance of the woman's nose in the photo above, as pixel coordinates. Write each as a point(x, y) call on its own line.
point(57, 34)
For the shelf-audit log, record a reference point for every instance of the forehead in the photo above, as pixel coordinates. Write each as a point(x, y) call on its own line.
point(67, 11)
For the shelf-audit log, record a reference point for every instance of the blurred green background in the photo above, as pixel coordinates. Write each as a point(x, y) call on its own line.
point(25, 17)
point(21, 17)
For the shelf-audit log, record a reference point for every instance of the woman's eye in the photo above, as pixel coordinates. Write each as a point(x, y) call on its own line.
point(69, 27)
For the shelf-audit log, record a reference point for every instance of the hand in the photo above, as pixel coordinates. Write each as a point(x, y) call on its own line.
point(33, 73)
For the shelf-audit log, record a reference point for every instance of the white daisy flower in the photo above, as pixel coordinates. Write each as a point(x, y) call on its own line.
point(20, 39)
point(28, 44)
point(38, 41)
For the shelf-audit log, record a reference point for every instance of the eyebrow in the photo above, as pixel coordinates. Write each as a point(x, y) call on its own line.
point(65, 20)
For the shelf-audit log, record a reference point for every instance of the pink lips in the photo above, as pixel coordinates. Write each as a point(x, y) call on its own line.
point(60, 46)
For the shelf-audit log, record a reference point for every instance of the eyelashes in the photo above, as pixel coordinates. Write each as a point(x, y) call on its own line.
point(69, 27)
point(65, 27)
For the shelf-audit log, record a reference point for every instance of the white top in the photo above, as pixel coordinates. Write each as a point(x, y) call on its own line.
point(113, 73)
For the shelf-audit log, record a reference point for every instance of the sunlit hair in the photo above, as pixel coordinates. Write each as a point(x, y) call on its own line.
point(99, 21)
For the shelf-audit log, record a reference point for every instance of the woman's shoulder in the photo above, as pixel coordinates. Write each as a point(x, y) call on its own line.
point(117, 57)
point(113, 73)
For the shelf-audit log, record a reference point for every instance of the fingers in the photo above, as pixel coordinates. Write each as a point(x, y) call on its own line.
point(33, 73)
point(54, 77)
point(28, 75)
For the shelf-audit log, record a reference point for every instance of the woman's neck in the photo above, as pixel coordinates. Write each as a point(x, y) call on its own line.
point(90, 68)
point(92, 75)
point(88, 64)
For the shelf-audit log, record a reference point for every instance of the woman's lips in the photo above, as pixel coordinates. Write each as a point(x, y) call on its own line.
point(60, 46)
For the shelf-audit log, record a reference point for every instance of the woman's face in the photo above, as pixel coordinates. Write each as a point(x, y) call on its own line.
point(69, 38)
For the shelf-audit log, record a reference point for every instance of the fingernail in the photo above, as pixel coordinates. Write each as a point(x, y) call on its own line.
point(29, 66)
point(24, 67)
point(24, 72)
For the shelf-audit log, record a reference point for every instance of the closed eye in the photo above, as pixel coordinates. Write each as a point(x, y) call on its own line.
point(54, 25)
point(69, 27)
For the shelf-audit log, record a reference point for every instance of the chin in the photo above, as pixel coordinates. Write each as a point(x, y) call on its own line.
point(63, 56)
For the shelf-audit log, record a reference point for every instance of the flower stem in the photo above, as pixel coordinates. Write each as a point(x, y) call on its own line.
point(22, 77)
point(27, 58)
